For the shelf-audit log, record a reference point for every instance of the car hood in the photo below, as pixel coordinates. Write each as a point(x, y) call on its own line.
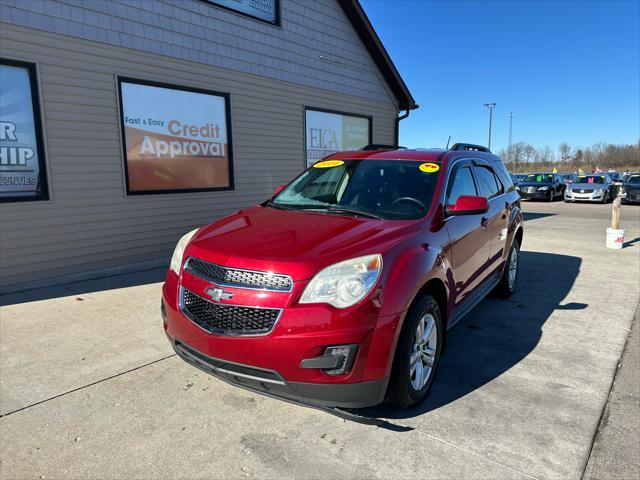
point(586, 186)
point(293, 242)
point(534, 184)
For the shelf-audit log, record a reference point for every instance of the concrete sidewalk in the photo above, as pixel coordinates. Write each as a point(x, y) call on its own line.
point(616, 451)
point(89, 387)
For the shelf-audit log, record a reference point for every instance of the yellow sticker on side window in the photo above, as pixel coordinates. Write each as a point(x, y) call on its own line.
point(328, 164)
point(429, 167)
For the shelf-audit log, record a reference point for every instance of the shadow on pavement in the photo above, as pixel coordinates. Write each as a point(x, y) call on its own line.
point(85, 286)
point(497, 334)
point(535, 215)
point(630, 243)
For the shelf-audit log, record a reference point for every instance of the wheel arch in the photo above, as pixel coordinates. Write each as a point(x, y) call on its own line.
point(438, 290)
point(519, 235)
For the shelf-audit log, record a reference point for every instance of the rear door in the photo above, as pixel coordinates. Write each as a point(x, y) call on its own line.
point(496, 220)
point(469, 240)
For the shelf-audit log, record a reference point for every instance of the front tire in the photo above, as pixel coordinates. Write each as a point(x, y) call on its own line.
point(417, 354)
point(550, 199)
point(509, 280)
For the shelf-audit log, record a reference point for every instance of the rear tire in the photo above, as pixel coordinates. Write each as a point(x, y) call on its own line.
point(550, 196)
point(410, 384)
point(509, 280)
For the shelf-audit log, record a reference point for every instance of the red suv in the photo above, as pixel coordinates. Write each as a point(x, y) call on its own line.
point(338, 291)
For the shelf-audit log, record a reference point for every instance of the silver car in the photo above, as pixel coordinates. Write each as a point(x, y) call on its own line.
point(597, 187)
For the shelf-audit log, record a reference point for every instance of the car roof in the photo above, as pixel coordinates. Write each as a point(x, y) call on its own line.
point(417, 154)
point(399, 154)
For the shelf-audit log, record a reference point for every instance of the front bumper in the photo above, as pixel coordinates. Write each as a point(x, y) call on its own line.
point(271, 383)
point(631, 196)
point(537, 195)
point(272, 363)
point(587, 196)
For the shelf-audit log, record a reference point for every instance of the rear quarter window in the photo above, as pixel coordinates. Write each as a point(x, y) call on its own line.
point(503, 174)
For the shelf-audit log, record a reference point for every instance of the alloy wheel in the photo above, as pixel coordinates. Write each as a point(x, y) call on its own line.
point(513, 269)
point(423, 351)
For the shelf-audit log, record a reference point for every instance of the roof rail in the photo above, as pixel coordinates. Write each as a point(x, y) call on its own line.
point(380, 146)
point(470, 146)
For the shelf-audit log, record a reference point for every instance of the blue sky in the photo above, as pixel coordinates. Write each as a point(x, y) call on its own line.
point(569, 71)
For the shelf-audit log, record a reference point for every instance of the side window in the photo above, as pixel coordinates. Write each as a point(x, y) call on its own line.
point(460, 183)
point(488, 184)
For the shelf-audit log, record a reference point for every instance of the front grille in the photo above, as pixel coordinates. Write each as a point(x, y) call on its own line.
point(228, 319)
point(234, 277)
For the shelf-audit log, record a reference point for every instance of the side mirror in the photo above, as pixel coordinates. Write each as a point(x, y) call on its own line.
point(468, 205)
point(278, 189)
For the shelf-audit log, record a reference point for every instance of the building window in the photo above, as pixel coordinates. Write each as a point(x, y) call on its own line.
point(175, 139)
point(263, 10)
point(328, 131)
point(22, 167)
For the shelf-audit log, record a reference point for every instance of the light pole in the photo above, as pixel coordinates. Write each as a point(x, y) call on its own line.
point(490, 106)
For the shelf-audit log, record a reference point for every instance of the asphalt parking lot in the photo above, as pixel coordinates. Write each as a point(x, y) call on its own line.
point(90, 388)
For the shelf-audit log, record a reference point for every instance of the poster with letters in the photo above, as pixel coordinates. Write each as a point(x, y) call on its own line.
point(330, 132)
point(175, 139)
point(22, 174)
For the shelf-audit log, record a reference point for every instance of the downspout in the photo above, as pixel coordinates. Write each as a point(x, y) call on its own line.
point(398, 119)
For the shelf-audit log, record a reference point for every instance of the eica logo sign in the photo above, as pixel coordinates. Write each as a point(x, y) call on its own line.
point(323, 138)
point(13, 155)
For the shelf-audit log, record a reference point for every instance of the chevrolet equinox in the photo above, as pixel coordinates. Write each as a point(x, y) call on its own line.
point(338, 291)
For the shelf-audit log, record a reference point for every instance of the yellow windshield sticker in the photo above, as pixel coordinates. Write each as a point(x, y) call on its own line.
point(328, 164)
point(429, 167)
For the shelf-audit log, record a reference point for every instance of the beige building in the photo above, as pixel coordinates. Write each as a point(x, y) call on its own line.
point(124, 124)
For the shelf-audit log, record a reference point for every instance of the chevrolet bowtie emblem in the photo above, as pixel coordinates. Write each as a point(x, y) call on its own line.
point(218, 294)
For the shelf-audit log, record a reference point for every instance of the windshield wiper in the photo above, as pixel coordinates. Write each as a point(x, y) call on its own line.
point(353, 211)
point(279, 206)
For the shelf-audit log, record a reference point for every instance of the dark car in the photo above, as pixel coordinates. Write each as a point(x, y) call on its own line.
point(630, 190)
point(541, 186)
point(519, 176)
point(617, 179)
point(339, 289)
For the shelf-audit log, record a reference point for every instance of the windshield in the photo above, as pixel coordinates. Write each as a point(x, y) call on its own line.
point(388, 189)
point(635, 179)
point(539, 178)
point(591, 179)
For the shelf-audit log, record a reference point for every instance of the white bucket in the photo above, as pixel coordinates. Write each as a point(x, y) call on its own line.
point(615, 238)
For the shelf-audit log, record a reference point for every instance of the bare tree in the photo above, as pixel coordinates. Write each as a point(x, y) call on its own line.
point(565, 152)
point(529, 153)
point(545, 155)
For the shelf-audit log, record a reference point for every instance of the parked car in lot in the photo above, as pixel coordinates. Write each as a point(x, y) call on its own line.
point(590, 188)
point(630, 189)
point(519, 177)
point(617, 179)
point(338, 291)
point(541, 186)
point(569, 178)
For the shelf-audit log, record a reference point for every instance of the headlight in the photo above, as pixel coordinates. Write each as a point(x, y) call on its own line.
point(542, 189)
point(178, 252)
point(517, 187)
point(345, 283)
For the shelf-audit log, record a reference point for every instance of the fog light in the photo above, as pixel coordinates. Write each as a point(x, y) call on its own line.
point(335, 360)
point(346, 355)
